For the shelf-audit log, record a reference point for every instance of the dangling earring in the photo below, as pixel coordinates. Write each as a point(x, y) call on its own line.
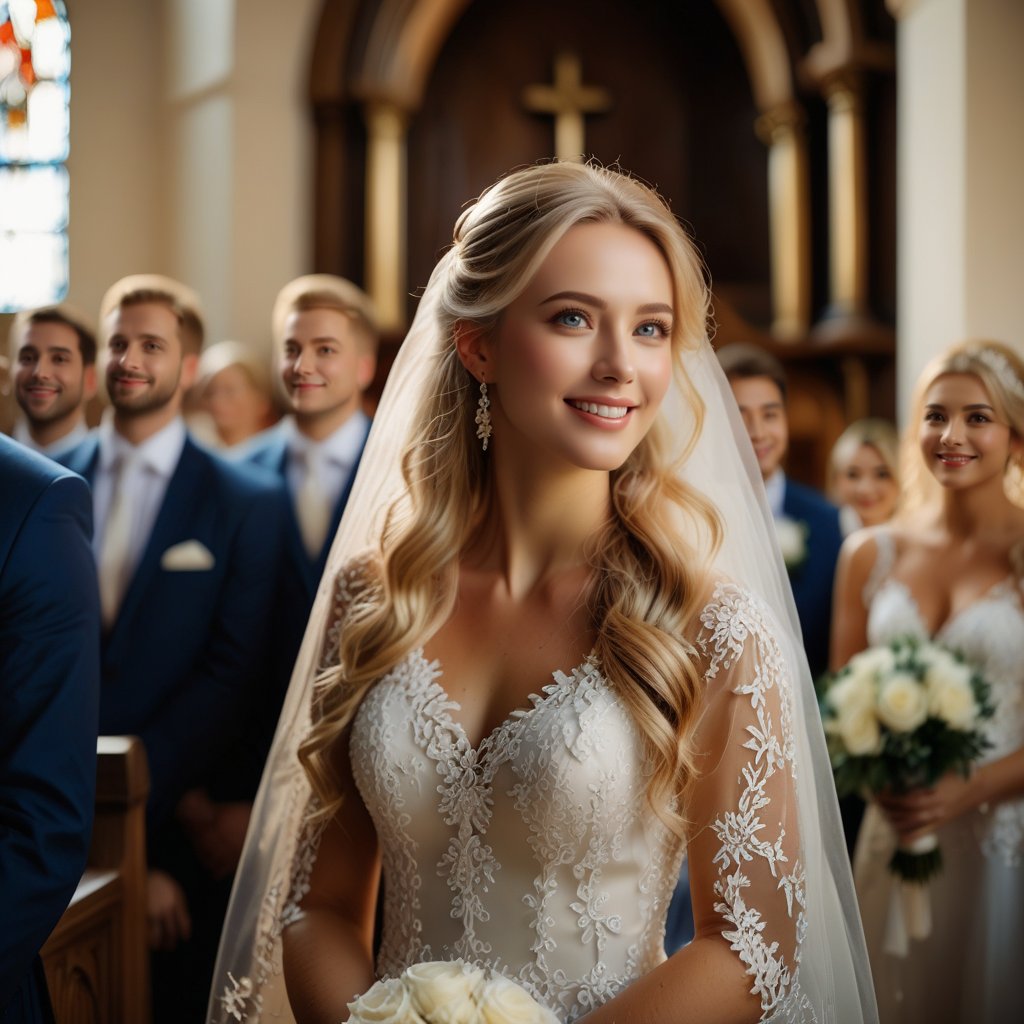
point(483, 416)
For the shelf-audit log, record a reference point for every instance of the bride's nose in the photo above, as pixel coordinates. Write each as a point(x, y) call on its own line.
point(614, 361)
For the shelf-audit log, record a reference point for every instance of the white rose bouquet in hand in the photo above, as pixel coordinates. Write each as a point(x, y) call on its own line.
point(448, 992)
point(900, 717)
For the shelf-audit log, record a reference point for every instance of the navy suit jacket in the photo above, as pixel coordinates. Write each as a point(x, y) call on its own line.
point(183, 657)
point(49, 687)
point(301, 573)
point(812, 581)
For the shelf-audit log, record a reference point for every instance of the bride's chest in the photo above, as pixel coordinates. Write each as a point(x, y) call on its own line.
point(572, 753)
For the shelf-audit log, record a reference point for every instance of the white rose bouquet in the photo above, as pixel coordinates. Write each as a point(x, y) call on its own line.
point(448, 992)
point(900, 717)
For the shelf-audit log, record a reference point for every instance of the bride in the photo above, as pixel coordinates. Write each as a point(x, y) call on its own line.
point(951, 568)
point(561, 661)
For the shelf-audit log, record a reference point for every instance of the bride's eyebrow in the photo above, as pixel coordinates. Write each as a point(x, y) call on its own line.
point(593, 300)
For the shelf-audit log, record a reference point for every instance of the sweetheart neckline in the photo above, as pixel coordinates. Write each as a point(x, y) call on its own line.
point(987, 596)
point(559, 678)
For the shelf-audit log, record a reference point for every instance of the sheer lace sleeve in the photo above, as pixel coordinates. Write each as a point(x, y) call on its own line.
point(746, 872)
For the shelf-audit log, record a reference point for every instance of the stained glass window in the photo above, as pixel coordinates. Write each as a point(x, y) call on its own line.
point(35, 59)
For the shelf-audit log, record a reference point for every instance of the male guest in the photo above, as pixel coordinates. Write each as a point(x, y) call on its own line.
point(325, 340)
point(49, 686)
point(54, 354)
point(808, 523)
point(188, 552)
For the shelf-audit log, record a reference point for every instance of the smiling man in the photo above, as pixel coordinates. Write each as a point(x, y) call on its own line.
point(188, 550)
point(759, 386)
point(325, 341)
point(53, 349)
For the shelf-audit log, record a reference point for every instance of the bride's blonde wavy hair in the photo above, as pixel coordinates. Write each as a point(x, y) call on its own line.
point(648, 578)
point(1000, 369)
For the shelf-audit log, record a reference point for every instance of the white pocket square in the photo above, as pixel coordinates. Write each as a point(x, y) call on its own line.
point(188, 556)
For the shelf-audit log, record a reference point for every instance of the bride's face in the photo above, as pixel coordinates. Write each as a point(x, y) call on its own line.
point(582, 359)
point(963, 440)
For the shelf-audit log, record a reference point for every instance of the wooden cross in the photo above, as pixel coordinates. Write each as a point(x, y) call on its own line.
point(569, 100)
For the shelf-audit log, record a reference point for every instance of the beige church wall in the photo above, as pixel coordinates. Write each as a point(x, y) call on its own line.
point(960, 163)
point(115, 146)
point(190, 151)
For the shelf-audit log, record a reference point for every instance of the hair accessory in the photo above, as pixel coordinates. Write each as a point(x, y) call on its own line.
point(483, 416)
point(1002, 368)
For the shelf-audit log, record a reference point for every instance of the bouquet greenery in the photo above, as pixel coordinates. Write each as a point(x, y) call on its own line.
point(900, 717)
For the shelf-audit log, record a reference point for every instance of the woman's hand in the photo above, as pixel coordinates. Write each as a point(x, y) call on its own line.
point(922, 811)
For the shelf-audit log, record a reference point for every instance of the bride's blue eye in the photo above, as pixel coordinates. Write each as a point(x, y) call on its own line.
point(654, 329)
point(575, 318)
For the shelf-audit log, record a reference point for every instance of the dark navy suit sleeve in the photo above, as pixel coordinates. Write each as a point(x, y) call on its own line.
point(812, 582)
point(205, 712)
point(49, 685)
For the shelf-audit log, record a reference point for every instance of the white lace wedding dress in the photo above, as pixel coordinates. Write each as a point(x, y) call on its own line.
point(537, 852)
point(968, 971)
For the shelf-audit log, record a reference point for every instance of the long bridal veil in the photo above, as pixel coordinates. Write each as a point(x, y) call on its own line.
point(834, 973)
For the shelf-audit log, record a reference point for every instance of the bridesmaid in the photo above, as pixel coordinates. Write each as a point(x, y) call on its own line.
point(949, 569)
point(863, 474)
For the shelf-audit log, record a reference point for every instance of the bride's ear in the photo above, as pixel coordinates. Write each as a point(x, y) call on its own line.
point(472, 342)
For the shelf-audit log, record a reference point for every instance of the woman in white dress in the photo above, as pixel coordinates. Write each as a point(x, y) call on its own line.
point(950, 568)
point(553, 668)
point(863, 474)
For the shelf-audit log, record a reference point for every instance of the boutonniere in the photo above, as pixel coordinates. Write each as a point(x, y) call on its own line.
point(792, 535)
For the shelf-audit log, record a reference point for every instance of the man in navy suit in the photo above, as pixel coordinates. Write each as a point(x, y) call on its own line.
point(188, 549)
point(808, 523)
point(49, 686)
point(325, 340)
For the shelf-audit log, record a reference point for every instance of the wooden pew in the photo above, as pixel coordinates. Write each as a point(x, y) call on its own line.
point(96, 960)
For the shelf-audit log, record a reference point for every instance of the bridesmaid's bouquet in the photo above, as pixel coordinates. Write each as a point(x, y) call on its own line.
point(900, 717)
point(448, 992)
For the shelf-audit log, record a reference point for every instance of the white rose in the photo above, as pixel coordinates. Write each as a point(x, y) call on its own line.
point(387, 1002)
point(852, 695)
point(444, 991)
point(873, 663)
point(504, 1002)
point(902, 703)
point(951, 698)
point(860, 733)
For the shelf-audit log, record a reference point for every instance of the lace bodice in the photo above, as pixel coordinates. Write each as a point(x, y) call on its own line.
point(538, 852)
point(990, 634)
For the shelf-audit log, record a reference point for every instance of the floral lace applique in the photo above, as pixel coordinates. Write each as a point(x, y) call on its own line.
point(751, 840)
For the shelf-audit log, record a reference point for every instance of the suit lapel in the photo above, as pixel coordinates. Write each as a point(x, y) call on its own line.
point(169, 528)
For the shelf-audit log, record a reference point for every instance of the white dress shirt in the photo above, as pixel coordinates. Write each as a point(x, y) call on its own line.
point(55, 449)
point(775, 489)
point(151, 467)
point(336, 454)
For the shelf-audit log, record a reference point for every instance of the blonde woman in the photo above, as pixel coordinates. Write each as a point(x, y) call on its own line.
point(863, 474)
point(557, 668)
point(949, 568)
point(233, 390)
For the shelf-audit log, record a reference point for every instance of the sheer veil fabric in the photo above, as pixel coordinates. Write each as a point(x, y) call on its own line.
point(834, 973)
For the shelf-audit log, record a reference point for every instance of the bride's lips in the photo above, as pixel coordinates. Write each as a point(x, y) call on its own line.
point(954, 461)
point(608, 413)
